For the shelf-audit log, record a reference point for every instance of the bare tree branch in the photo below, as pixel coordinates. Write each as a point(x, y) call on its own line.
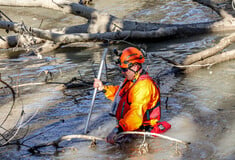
point(224, 42)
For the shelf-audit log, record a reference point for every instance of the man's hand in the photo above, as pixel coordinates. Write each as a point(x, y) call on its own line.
point(112, 136)
point(98, 84)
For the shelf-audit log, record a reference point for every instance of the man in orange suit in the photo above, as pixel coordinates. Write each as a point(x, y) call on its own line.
point(139, 106)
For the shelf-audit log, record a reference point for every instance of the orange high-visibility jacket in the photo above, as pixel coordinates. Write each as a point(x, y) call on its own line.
point(139, 104)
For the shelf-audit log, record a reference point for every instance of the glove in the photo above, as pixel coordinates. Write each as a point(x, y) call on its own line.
point(112, 135)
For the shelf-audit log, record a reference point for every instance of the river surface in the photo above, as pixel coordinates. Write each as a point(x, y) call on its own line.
point(200, 106)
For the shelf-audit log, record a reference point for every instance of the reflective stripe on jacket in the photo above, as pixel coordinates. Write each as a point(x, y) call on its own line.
point(140, 102)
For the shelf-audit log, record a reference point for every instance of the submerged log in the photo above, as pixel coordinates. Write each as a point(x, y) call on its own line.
point(224, 42)
point(208, 62)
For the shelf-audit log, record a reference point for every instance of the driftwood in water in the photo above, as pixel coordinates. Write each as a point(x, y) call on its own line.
point(35, 149)
point(209, 57)
point(215, 54)
point(102, 26)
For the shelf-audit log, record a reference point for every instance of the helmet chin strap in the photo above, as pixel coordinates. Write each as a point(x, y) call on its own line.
point(137, 70)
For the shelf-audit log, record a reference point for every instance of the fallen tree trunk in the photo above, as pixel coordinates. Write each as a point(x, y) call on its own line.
point(205, 58)
point(226, 56)
point(224, 42)
point(76, 37)
point(102, 26)
point(100, 22)
point(19, 41)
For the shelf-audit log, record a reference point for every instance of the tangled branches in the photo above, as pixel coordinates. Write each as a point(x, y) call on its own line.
point(6, 131)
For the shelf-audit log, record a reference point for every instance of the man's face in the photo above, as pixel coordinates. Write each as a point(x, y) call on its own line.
point(129, 74)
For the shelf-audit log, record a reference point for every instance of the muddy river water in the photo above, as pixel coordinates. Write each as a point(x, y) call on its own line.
point(200, 106)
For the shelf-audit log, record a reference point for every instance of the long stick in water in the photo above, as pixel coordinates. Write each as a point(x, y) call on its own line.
point(95, 90)
point(154, 134)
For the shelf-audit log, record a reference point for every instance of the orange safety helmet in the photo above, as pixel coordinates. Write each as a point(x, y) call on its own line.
point(131, 56)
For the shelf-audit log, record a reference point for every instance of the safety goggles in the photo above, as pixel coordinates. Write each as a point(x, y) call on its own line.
point(124, 69)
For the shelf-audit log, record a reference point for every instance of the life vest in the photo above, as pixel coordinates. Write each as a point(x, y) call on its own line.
point(152, 114)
